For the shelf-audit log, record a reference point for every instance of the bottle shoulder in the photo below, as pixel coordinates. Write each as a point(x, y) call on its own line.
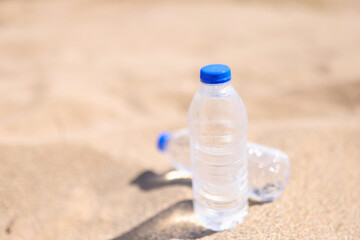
point(217, 104)
point(217, 96)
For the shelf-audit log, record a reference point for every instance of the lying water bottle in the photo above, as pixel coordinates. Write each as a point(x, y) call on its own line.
point(217, 122)
point(268, 168)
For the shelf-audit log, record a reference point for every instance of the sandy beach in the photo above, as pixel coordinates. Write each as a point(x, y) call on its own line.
point(86, 86)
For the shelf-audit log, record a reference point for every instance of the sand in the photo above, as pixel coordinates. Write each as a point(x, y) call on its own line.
point(86, 86)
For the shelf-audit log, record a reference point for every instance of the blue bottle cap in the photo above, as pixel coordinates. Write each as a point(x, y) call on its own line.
point(215, 74)
point(163, 141)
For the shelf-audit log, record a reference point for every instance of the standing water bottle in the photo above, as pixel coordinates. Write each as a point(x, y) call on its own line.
point(217, 128)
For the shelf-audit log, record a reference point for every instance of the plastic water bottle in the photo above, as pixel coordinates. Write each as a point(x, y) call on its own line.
point(268, 168)
point(177, 146)
point(269, 171)
point(217, 125)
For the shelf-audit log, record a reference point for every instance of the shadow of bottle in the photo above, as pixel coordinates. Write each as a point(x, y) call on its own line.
point(178, 221)
point(149, 180)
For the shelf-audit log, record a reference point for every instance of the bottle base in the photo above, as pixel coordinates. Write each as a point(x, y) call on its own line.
point(220, 220)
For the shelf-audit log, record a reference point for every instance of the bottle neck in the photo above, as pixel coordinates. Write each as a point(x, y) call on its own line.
point(215, 88)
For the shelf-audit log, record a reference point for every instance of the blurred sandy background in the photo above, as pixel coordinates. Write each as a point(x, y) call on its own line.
point(86, 86)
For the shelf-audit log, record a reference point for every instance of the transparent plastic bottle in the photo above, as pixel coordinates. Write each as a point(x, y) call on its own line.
point(177, 146)
point(269, 171)
point(268, 168)
point(217, 122)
